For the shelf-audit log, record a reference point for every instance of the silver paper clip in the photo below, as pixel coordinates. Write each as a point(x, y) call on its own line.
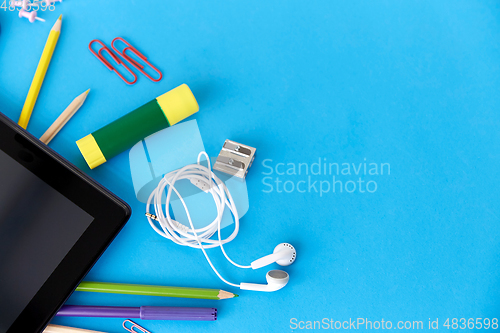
point(235, 159)
point(134, 326)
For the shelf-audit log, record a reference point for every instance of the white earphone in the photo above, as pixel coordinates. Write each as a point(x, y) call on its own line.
point(284, 254)
point(275, 281)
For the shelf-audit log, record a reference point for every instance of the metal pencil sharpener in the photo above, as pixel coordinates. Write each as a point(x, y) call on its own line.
point(235, 159)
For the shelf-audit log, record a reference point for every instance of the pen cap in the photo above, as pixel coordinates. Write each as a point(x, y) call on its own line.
point(178, 104)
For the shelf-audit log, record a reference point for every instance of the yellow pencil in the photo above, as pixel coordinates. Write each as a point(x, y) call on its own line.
point(63, 118)
point(43, 65)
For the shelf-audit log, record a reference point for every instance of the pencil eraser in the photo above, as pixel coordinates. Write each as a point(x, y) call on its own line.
point(178, 104)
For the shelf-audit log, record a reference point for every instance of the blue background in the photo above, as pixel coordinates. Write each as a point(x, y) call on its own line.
point(410, 83)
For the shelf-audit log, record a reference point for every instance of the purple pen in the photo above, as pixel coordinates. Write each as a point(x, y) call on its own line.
point(143, 312)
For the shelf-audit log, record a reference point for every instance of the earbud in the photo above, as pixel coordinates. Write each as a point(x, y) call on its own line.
point(275, 281)
point(284, 254)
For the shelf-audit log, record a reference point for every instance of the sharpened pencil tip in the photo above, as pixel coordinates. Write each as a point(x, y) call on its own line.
point(236, 295)
point(87, 92)
point(57, 25)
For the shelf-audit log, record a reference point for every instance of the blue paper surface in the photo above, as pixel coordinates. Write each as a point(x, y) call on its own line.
point(322, 89)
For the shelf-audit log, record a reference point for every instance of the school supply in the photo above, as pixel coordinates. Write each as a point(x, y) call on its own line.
point(66, 329)
point(106, 63)
point(143, 312)
point(284, 254)
point(137, 289)
point(123, 54)
point(133, 327)
point(164, 111)
point(64, 118)
point(235, 159)
point(134, 62)
point(31, 16)
point(24, 4)
point(40, 73)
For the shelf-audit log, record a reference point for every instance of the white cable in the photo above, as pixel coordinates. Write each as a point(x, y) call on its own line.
point(181, 234)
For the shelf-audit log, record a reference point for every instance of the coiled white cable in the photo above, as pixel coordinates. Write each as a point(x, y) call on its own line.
point(179, 233)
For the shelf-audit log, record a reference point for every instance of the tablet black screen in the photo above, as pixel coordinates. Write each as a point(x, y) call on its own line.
point(38, 227)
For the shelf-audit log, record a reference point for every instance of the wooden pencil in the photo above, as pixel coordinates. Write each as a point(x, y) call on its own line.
point(41, 70)
point(64, 117)
point(138, 289)
point(66, 329)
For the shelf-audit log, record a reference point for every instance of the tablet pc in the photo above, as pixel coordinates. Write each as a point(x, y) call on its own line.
point(55, 222)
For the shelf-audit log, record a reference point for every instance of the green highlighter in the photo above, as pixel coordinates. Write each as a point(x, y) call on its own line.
point(162, 112)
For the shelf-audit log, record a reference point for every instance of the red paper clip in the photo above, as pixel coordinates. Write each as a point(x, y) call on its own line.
point(133, 62)
point(107, 64)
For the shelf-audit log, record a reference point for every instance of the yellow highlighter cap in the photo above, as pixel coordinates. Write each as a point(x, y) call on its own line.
point(91, 151)
point(178, 104)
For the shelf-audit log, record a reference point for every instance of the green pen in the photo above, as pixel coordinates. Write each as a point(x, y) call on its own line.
point(146, 290)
